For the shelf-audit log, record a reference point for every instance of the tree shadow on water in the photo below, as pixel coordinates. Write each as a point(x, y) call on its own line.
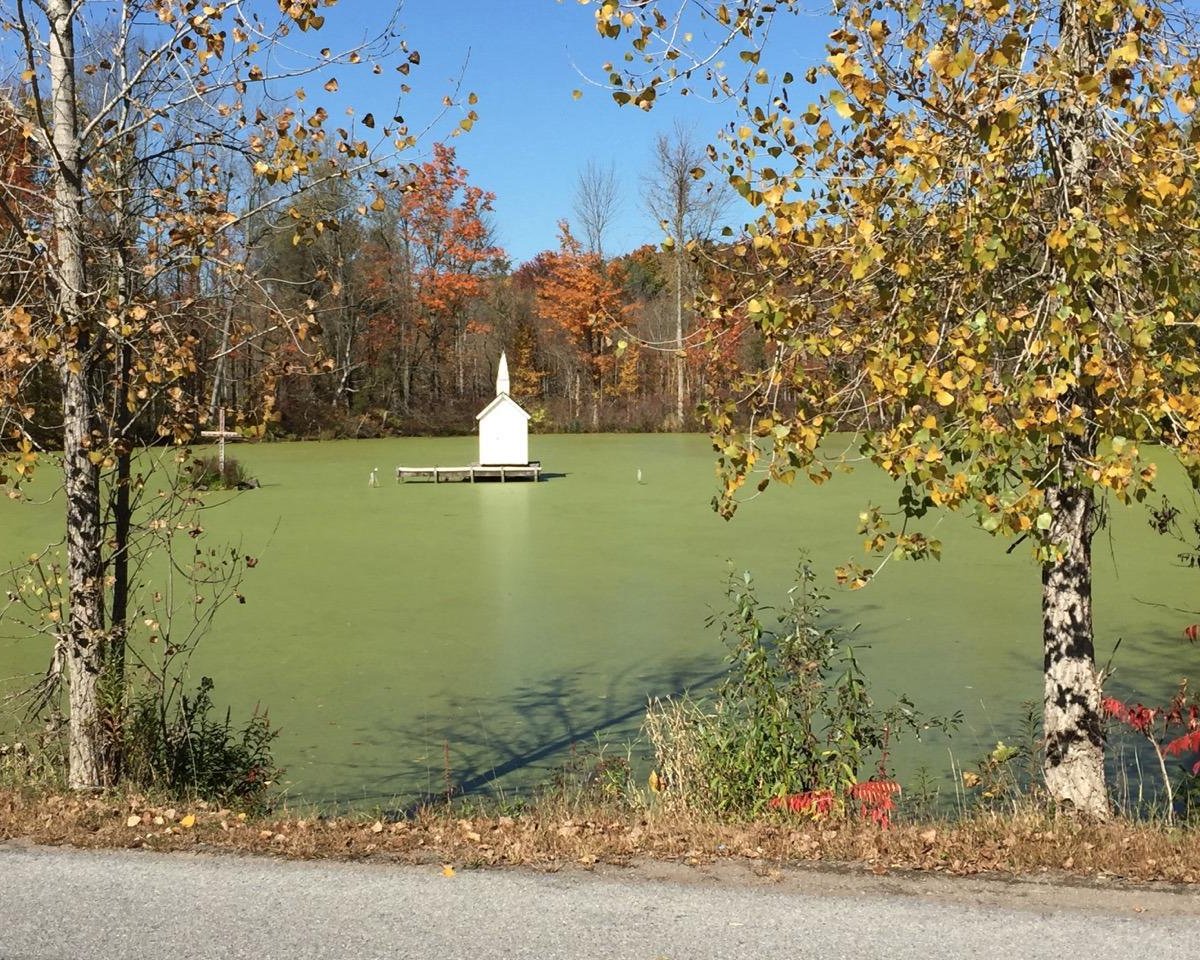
point(513, 742)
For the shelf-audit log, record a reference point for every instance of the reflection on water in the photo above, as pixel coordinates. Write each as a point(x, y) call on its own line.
point(498, 625)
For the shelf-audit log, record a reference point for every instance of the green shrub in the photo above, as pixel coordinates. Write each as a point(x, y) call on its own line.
point(182, 750)
point(794, 713)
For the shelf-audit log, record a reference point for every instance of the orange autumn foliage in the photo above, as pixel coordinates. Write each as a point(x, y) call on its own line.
point(432, 266)
point(443, 227)
point(581, 296)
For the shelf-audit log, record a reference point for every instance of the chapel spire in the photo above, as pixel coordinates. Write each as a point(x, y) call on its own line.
point(502, 384)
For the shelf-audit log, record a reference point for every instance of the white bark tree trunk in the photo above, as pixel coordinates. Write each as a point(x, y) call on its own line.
point(85, 648)
point(1074, 762)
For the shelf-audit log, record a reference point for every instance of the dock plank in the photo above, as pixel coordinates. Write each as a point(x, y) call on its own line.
point(472, 472)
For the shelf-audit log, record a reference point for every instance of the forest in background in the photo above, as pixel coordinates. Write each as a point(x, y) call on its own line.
point(406, 298)
point(415, 301)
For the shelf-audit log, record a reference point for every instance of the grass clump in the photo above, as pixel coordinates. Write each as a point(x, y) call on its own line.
point(35, 757)
point(206, 473)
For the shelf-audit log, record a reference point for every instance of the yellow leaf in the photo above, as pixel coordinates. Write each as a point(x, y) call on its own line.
point(838, 99)
point(944, 398)
point(378, 204)
point(447, 870)
point(1127, 52)
point(188, 822)
point(332, 85)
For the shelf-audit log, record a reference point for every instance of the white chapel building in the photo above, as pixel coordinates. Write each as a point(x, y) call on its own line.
point(503, 427)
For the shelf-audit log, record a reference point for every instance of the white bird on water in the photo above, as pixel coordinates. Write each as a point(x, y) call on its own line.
point(639, 475)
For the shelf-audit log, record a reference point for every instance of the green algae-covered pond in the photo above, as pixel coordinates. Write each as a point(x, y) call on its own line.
point(504, 626)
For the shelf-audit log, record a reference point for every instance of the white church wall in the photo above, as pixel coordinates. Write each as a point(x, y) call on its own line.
point(504, 435)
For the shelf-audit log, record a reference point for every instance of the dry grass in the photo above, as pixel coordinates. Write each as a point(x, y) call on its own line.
point(670, 727)
point(554, 835)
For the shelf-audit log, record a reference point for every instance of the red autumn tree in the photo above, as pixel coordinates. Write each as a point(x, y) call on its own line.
point(581, 296)
point(435, 255)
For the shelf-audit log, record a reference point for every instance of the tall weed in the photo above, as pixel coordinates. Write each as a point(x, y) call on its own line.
point(181, 749)
point(793, 715)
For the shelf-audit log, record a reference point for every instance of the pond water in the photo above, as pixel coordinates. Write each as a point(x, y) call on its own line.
point(497, 628)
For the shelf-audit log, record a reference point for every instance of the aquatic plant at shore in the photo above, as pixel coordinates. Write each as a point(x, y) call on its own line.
point(793, 718)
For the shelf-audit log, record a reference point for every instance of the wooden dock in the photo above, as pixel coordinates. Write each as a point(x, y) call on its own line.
point(472, 473)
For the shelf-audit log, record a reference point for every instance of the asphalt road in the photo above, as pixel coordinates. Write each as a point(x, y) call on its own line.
point(71, 904)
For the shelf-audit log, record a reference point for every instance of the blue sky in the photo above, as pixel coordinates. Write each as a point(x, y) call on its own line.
point(524, 58)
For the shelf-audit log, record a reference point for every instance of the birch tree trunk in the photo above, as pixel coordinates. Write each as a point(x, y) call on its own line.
point(1074, 763)
point(85, 646)
point(1071, 722)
